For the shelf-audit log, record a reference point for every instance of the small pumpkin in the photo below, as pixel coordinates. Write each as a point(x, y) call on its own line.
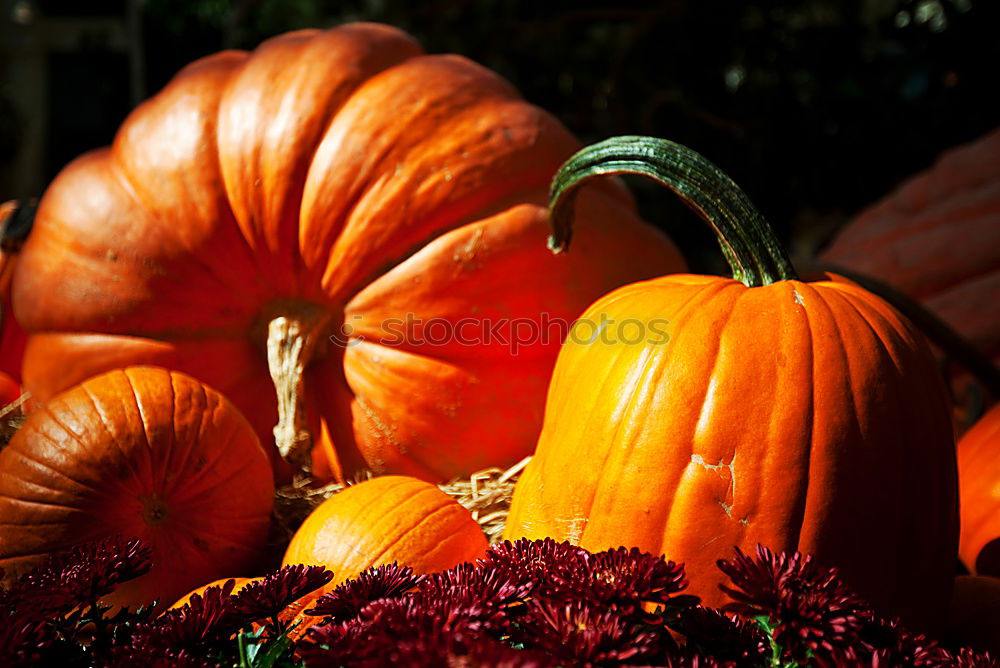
point(689, 414)
point(979, 493)
point(145, 453)
point(317, 227)
point(383, 520)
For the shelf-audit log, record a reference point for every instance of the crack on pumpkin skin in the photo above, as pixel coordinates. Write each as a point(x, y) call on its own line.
point(731, 467)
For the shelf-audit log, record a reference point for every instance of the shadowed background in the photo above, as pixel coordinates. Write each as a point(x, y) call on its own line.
point(816, 107)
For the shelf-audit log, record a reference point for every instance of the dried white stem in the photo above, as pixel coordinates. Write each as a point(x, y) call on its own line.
point(291, 342)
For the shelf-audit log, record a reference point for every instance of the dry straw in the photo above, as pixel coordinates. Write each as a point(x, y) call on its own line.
point(486, 494)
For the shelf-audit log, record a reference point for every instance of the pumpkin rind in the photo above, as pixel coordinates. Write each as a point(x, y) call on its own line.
point(144, 453)
point(979, 494)
point(380, 521)
point(341, 170)
point(803, 416)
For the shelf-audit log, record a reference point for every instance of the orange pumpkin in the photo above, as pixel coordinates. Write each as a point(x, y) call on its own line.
point(380, 521)
point(979, 492)
point(347, 215)
point(145, 453)
point(803, 416)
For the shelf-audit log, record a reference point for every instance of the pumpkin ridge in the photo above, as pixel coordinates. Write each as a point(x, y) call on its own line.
point(798, 515)
point(218, 68)
point(135, 411)
point(35, 502)
point(48, 466)
point(80, 442)
point(436, 111)
point(835, 341)
point(209, 466)
point(498, 206)
point(445, 545)
point(376, 528)
point(690, 441)
point(43, 490)
point(133, 481)
point(445, 506)
point(358, 518)
point(345, 59)
point(125, 183)
point(689, 308)
point(887, 326)
point(171, 462)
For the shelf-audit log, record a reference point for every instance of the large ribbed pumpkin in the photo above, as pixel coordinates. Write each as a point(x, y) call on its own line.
point(803, 416)
point(937, 238)
point(362, 218)
point(143, 453)
point(979, 492)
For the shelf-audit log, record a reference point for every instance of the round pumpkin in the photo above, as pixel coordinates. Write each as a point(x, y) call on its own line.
point(144, 453)
point(803, 416)
point(937, 238)
point(383, 520)
point(979, 493)
point(318, 227)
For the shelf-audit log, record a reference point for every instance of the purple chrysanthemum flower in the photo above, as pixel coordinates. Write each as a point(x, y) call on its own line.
point(728, 638)
point(207, 619)
point(267, 597)
point(376, 583)
point(581, 632)
point(811, 613)
point(78, 576)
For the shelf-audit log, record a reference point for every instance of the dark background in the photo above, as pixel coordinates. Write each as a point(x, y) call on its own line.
point(816, 107)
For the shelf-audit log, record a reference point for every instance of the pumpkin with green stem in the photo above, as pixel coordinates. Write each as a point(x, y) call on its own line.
point(805, 416)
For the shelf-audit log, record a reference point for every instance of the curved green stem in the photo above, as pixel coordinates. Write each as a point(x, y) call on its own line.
point(750, 246)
